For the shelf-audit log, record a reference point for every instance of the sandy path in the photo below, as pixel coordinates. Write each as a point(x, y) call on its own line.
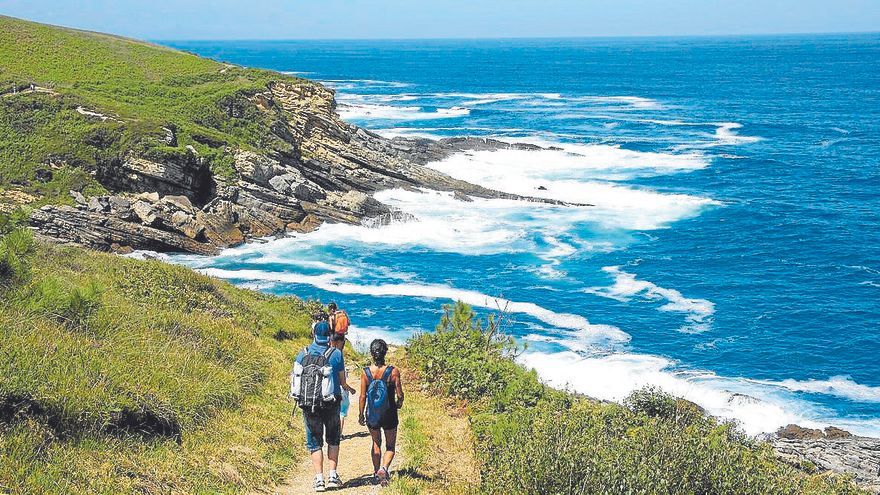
point(355, 467)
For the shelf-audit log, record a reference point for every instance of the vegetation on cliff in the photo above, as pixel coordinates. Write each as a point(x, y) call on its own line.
point(531, 439)
point(100, 98)
point(120, 376)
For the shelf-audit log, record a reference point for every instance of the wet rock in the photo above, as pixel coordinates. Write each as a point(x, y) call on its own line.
point(462, 197)
point(394, 216)
point(795, 432)
point(834, 433)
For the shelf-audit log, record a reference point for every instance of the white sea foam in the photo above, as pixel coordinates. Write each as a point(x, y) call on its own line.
point(566, 175)
point(578, 325)
point(350, 84)
point(634, 102)
point(626, 286)
point(758, 408)
point(838, 386)
point(391, 112)
point(362, 336)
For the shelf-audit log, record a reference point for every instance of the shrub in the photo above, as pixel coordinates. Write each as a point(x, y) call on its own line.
point(473, 361)
point(654, 402)
point(535, 440)
point(65, 302)
point(16, 248)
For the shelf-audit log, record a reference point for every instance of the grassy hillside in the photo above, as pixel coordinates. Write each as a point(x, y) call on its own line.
point(140, 88)
point(120, 376)
point(531, 439)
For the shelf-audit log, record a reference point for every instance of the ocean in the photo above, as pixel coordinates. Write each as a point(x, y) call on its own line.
point(732, 252)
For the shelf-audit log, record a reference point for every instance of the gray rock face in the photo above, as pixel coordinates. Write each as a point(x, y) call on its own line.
point(832, 450)
point(325, 170)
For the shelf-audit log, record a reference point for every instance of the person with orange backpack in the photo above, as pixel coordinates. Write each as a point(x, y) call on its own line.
point(339, 320)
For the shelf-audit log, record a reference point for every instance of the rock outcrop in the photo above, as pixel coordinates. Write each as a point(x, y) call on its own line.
point(832, 450)
point(325, 171)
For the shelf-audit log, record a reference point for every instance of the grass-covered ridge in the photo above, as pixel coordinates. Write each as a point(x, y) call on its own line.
point(120, 376)
point(139, 89)
point(532, 439)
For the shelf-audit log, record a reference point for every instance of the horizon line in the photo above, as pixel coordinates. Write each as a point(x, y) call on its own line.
point(527, 38)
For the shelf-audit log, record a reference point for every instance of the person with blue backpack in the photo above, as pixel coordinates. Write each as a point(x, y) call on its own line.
point(316, 385)
point(381, 397)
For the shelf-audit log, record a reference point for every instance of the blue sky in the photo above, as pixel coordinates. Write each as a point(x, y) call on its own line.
point(322, 19)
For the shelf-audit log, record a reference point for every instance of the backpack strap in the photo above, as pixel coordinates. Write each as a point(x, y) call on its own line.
point(369, 375)
point(387, 373)
point(329, 352)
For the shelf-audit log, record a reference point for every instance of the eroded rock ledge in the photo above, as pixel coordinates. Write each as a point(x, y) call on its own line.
point(831, 450)
point(327, 172)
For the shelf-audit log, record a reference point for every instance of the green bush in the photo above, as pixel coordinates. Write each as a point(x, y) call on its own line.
point(16, 248)
point(473, 361)
point(67, 303)
point(535, 440)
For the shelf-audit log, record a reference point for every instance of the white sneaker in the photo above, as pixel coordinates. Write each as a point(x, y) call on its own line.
point(334, 482)
point(319, 486)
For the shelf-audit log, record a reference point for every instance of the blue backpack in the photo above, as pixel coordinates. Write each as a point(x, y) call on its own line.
point(378, 400)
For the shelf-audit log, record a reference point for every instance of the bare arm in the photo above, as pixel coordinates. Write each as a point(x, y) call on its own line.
point(344, 382)
point(363, 399)
point(398, 389)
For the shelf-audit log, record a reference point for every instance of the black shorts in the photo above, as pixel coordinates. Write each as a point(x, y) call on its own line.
point(321, 422)
point(389, 421)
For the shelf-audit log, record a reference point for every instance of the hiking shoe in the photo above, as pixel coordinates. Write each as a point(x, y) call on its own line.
point(319, 486)
point(382, 476)
point(334, 482)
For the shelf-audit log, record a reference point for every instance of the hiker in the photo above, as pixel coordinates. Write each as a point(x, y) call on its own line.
point(339, 320)
point(338, 341)
point(381, 397)
point(316, 385)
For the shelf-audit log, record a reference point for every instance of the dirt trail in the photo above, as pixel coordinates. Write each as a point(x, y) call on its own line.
point(355, 466)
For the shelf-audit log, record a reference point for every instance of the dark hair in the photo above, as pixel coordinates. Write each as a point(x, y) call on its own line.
point(319, 316)
point(337, 337)
point(332, 307)
point(378, 349)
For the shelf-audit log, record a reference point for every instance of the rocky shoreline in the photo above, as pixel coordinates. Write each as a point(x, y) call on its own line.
point(832, 450)
point(328, 173)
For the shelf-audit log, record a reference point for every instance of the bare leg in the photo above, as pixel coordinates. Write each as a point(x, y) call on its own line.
point(332, 456)
point(341, 425)
point(376, 453)
point(318, 461)
point(390, 445)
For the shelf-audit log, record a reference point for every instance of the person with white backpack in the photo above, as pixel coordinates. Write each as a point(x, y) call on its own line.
point(381, 397)
point(316, 385)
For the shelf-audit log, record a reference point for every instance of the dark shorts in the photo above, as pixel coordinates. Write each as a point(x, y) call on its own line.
point(389, 422)
point(320, 423)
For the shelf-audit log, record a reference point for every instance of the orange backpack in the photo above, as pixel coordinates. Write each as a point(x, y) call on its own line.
point(341, 322)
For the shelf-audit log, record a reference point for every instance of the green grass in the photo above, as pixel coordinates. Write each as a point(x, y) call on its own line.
point(144, 86)
point(531, 439)
point(127, 376)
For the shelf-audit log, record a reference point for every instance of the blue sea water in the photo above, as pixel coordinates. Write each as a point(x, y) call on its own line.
point(732, 254)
